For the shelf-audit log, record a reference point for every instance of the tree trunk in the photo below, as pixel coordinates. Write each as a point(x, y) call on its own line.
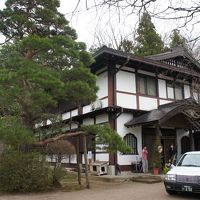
point(86, 162)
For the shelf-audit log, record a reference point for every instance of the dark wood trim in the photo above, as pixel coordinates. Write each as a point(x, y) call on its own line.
point(114, 87)
point(158, 100)
point(123, 92)
point(111, 85)
point(166, 99)
point(124, 70)
point(70, 119)
point(101, 152)
point(106, 97)
point(148, 96)
point(80, 110)
point(106, 70)
point(137, 89)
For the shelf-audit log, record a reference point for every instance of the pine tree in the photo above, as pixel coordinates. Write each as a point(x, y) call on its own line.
point(126, 46)
point(41, 62)
point(148, 42)
point(177, 39)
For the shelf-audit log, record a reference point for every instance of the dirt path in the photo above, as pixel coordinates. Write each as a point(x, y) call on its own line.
point(104, 191)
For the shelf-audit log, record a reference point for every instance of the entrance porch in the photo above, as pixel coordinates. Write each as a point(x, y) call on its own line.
point(176, 123)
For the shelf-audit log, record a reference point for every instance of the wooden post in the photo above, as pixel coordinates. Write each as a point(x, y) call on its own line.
point(86, 161)
point(158, 132)
point(78, 159)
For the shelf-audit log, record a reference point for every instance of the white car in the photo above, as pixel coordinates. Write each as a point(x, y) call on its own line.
point(185, 176)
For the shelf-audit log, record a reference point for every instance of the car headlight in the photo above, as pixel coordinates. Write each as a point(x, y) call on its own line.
point(170, 177)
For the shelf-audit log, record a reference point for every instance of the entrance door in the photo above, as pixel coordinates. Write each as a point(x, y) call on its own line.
point(148, 139)
point(168, 137)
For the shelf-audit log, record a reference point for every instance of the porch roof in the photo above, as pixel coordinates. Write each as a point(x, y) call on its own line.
point(186, 110)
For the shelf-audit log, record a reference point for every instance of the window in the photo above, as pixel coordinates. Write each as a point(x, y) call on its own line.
point(131, 141)
point(147, 85)
point(170, 91)
point(174, 91)
point(185, 144)
point(178, 92)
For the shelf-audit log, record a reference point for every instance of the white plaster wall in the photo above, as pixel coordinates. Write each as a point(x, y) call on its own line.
point(162, 88)
point(86, 109)
point(69, 159)
point(102, 156)
point(146, 103)
point(164, 101)
point(120, 121)
point(101, 119)
point(64, 160)
point(88, 121)
point(125, 81)
point(99, 157)
point(104, 102)
point(180, 133)
point(186, 91)
point(126, 100)
point(74, 112)
point(73, 159)
point(74, 126)
point(102, 83)
point(66, 115)
point(122, 131)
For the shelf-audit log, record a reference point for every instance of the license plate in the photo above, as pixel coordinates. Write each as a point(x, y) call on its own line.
point(187, 188)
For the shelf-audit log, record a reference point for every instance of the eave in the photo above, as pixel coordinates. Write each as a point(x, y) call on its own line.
point(107, 55)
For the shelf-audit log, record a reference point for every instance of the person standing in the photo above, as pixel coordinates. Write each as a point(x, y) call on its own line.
point(171, 153)
point(145, 159)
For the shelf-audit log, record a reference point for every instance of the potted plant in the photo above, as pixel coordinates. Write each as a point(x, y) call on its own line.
point(157, 156)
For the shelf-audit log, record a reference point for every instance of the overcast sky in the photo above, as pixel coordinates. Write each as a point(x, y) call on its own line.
point(89, 23)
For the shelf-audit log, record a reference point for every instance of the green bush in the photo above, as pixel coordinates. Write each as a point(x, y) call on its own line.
point(24, 172)
point(58, 174)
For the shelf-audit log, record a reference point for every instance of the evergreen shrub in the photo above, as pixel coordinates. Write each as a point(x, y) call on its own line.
point(24, 172)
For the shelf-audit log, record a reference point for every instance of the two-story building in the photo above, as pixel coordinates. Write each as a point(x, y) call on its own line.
point(141, 97)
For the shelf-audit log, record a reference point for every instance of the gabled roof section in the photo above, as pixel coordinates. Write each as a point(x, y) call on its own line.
point(107, 55)
point(178, 51)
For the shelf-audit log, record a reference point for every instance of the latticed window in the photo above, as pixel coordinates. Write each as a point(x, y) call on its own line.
point(185, 144)
point(131, 141)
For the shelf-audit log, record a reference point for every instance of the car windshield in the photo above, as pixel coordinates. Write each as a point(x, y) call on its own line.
point(190, 160)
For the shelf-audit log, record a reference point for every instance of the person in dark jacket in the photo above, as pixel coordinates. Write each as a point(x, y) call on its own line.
point(171, 153)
